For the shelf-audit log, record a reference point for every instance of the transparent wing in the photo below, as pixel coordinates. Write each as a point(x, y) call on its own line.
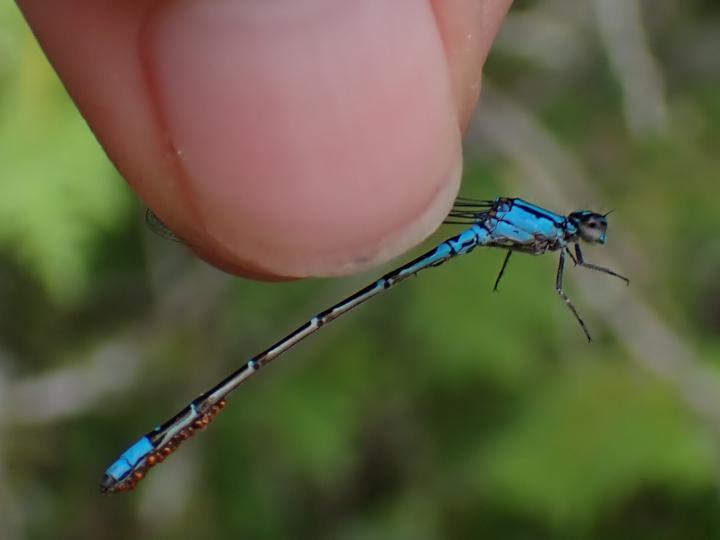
point(466, 211)
point(156, 225)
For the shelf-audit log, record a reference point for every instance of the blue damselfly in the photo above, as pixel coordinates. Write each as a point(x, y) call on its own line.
point(510, 224)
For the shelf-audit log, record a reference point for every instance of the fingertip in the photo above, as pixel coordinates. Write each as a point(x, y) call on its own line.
point(468, 29)
point(330, 148)
point(283, 139)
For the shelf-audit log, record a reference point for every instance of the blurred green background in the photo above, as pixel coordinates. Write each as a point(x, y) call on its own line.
point(438, 411)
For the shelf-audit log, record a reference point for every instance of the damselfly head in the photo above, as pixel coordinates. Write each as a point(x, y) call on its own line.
point(592, 227)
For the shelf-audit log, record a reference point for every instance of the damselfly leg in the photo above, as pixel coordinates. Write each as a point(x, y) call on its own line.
point(502, 270)
point(559, 289)
point(581, 262)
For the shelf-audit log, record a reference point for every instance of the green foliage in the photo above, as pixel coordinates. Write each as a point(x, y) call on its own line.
point(569, 459)
point(59, 194)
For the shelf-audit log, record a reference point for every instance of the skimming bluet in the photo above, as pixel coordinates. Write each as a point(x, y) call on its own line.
point(508, 223)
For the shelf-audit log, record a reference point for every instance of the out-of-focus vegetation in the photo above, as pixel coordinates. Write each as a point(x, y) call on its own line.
point(439, 411)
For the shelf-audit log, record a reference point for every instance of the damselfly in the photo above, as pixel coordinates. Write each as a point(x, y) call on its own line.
point(510, 224)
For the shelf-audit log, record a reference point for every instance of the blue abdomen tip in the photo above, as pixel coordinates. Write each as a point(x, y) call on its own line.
point(129, 459)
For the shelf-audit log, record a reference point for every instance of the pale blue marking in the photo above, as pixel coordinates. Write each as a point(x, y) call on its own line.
point(130, 458)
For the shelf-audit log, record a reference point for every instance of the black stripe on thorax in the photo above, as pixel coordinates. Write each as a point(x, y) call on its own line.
point(555, 219)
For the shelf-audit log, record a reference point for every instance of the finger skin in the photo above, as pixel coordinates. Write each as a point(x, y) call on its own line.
point(468, 29)
point(280, 139)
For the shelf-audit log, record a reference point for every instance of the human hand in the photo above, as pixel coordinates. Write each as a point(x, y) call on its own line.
point(284, 138)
